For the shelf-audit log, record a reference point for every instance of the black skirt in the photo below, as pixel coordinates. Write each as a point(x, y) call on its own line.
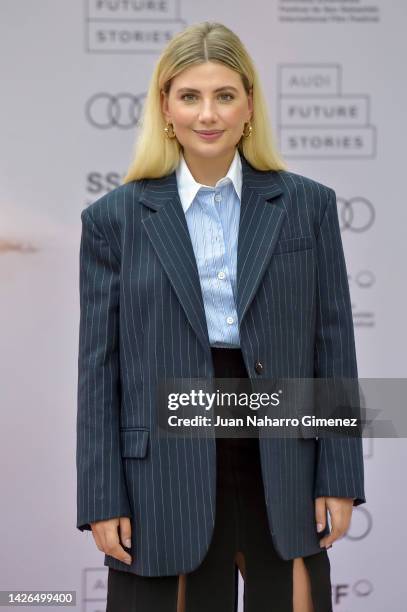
point(241, 525)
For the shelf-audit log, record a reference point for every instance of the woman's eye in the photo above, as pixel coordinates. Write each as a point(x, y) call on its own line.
point(227, 95)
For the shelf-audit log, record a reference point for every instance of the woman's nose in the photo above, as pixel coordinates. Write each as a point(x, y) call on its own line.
point(207, 109)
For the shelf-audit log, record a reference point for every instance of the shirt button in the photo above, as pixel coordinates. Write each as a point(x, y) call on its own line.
point(218, 197)
point(230, 320)
point(221, 275)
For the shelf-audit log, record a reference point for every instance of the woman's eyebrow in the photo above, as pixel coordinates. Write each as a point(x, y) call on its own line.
point(197, 90)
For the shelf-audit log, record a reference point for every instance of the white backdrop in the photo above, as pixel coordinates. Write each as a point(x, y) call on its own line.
point(74, 75)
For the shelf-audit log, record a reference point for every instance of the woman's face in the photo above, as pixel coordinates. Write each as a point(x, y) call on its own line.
point(209, 96)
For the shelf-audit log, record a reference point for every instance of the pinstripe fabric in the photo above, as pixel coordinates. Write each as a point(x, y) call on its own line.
point(212, 215)
point(143, 318)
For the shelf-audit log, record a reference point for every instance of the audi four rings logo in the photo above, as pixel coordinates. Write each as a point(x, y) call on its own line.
point(104, 110)
point(356, 214)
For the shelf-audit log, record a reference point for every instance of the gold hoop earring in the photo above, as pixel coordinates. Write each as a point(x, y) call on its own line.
point(249, 131)
point(168, 133)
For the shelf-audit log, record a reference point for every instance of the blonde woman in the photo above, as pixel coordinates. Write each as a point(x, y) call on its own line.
point(211, 260)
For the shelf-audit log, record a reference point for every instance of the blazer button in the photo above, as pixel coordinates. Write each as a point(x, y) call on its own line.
point(258, 366)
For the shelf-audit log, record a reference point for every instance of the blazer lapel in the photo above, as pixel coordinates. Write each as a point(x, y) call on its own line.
point(169, 234)
point(260, 223)
point(261, 219)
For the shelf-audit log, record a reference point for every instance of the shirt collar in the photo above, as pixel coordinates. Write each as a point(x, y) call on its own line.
point(188, 187)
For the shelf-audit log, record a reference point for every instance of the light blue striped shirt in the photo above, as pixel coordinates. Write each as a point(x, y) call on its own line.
point(212, 215)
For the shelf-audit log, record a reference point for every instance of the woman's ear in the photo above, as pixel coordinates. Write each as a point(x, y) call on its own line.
point(164, 106)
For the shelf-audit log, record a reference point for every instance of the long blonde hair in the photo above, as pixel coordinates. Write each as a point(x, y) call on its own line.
point(155, 155)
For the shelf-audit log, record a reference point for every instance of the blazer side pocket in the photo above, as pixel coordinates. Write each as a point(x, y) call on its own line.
point(134, 442)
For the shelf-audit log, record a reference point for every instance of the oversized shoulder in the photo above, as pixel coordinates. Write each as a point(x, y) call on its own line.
point(110, 208)
point(105, 218)
point(303, 193)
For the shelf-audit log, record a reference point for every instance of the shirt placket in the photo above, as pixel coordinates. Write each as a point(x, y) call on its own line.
point(222, 284)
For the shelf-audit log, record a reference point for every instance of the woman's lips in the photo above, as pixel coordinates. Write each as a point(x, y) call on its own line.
point(209, 135)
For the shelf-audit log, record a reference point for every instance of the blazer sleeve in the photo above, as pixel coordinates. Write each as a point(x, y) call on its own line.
point(339, 469)
point(101, 488)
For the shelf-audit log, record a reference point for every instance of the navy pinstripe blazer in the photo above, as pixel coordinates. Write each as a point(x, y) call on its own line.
point(142, 319)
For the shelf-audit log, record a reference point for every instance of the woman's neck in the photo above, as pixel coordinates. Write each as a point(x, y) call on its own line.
point(208, 170)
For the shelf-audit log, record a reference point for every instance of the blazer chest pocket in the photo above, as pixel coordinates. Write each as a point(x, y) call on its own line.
point(134, 442)
point(297, 243)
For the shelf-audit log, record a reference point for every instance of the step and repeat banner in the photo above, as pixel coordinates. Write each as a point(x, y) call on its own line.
point(74, 76)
